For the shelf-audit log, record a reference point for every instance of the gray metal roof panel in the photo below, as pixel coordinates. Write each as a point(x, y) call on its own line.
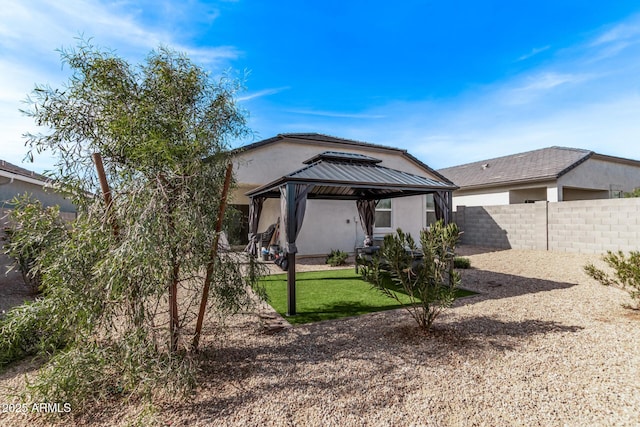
point(333, 178)
point(341, 156)
point(358, 172)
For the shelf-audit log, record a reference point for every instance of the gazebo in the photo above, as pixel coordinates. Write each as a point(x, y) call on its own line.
point(336, 175)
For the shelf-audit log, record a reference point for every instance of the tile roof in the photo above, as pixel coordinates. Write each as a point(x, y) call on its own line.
point(322, 138)
point(17, 170)
point(536, 165)
point(314, 137)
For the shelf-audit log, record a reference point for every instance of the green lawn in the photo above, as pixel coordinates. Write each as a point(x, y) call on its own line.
point(330, 294)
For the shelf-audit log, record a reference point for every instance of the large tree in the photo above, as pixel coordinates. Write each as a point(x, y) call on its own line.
point(131, 270)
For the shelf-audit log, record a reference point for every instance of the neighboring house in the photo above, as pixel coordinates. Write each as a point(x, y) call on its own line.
point(15, 181)
point(553, 174)
point(328, 224)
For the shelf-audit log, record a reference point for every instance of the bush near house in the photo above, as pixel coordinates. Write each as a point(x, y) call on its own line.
point(460, 262)
point(626, 276)
point(336, 257)
point(634, 193)
point(33, 233)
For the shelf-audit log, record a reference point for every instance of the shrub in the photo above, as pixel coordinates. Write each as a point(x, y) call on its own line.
point(336, 257)
point(32, 232)
point(634, 193)
point(430, 282)
point(460, 262)
point(627, 272)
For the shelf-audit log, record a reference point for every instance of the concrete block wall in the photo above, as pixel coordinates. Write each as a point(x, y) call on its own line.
point(506, 226)
point(589, 226)
point(595, 226)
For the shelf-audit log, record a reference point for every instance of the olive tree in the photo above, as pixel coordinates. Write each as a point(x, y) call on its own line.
point(131, 270)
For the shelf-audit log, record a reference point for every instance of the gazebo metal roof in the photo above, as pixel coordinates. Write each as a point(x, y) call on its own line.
point(348, 176)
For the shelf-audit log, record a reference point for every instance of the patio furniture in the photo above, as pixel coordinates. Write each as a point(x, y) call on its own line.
point(365, 254)
point(267, 236)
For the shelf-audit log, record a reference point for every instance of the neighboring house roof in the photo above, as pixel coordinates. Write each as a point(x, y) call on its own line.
point(537, 165)
point(348, 176)
point(10, 170)
point(315, 138)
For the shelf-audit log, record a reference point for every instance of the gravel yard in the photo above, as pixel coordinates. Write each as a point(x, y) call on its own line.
point(542, 344)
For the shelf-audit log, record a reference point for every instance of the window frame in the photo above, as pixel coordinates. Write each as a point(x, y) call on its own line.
point(429, 209)
point(384, 229)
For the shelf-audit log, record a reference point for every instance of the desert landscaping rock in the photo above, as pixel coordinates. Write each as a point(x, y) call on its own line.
point(541, 344)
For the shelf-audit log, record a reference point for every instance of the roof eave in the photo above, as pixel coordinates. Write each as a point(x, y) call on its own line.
point(575, 164)
point(19, 177)
point(272, 186)
point(507, 182)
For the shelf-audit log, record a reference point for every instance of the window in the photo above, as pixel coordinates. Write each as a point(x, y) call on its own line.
point(430, 210)
point(383, 214)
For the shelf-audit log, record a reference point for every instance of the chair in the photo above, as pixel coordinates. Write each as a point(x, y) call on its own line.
point(266, 236)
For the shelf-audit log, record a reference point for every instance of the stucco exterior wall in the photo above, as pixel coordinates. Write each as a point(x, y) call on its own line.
point(598, 174)
point(487, 198)
point(527, 194)
point(572, 194)
point(329, 224)
point(408, 213)
point(48, 197)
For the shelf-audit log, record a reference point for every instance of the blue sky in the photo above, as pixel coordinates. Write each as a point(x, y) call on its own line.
point(450, 81)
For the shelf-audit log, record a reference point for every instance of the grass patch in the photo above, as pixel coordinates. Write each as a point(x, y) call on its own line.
point(331, 294)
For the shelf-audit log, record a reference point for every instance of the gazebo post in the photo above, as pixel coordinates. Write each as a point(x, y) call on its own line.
point(291, 285)
point(291, 256)
point(450, 205)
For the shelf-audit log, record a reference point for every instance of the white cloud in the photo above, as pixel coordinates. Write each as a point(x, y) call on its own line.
point(534, 52)
point(261, 93)
point(548, 80)
point(616, 39)
point(337, 114)
point(624, 31)
point(530, 87)
point(30, 32)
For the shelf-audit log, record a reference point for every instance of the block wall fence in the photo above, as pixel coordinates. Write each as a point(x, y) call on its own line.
point(585, 226)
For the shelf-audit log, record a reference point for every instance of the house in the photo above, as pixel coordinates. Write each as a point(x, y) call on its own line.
point(15, 181)
point(553, 174)
point(263, 166)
